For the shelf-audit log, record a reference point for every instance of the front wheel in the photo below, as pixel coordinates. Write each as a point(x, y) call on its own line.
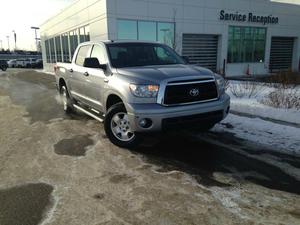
point(118, 128)
point(4, 68)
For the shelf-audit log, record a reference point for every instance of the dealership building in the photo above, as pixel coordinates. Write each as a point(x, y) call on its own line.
point(234, 37)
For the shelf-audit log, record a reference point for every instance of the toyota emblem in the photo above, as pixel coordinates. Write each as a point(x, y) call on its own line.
point(194, 92)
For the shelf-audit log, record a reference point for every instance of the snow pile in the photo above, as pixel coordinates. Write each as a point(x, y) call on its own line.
point(277, 136)
point(251, 103)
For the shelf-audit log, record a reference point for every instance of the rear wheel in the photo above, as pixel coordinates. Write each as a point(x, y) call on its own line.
point(66, 100)
point(118, 128)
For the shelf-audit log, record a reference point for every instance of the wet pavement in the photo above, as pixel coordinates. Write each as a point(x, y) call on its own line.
point(175, 178)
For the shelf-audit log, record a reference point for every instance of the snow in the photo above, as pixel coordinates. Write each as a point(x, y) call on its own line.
point(253, 105)
point(276, 136)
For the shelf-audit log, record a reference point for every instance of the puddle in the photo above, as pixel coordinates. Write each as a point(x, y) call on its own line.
point(25, 204)
point(76, 146)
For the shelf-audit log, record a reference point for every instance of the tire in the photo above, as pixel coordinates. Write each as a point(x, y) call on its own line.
point(117, 128)
point(66, 100)
point(4, 68)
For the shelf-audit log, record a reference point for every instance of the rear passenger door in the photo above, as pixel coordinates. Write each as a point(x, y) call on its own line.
point(77, 75)
point(96, 78)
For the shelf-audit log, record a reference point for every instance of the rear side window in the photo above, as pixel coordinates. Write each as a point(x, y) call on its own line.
point(99, 53)
point(82, 54)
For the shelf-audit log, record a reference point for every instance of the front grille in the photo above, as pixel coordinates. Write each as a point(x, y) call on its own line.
point(187, 93)
point(192, 121)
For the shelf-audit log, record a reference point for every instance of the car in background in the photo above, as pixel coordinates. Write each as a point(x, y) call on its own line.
point(20, 63)
point(12, 63)
point(30, 63)
point(3, 65)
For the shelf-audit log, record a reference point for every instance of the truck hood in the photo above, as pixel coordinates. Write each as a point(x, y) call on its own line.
point(156, 74)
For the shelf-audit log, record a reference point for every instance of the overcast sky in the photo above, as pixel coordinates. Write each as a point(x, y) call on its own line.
point(20, 15)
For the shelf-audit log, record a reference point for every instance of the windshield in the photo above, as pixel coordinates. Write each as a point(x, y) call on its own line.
point(141, 54)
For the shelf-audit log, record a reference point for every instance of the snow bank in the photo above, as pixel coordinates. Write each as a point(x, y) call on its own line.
point(254, 106)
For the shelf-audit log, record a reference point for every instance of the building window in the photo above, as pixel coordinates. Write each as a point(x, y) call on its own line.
point(65, 47)
point(58, 49)
point(73, 35)
point(246, 44)
point(166, 32)
point(146, 31)
point(47, 47)
point(52, 50)
point(127, 30)
point(84, 34)
point(87, 33)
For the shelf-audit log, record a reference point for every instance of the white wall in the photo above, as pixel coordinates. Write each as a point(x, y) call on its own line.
point(202, 16)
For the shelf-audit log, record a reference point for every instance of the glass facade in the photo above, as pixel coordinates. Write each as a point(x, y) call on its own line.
point(47, 47)
point(52, 50)
point(246, 44)
point(59, 48)
point(146, 31)
point(127, 30)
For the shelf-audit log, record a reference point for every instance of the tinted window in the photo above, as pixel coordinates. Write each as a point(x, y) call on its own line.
point(82, 54)
point(137, 54)
point(127, 29)
point(99, 53)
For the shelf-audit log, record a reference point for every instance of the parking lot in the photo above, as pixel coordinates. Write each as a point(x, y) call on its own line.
point(60, 169)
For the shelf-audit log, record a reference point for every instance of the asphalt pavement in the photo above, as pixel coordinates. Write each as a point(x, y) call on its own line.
point(62, 169)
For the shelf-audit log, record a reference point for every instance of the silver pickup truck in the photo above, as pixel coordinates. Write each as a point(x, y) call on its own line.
point(140, 87)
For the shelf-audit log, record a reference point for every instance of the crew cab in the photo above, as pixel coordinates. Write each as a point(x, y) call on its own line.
point(140, 87)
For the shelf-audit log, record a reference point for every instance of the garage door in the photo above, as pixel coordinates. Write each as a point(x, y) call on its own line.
point(201, 49)
point(281, 53)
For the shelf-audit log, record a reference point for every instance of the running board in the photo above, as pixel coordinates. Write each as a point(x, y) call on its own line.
point(88, 113)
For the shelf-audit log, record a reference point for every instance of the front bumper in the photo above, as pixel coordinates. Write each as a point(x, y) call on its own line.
point(190, 115)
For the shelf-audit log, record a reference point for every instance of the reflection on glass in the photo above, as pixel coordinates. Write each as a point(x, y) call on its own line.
point(166, 33)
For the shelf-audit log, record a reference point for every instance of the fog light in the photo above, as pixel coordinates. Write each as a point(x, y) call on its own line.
point(145, 123)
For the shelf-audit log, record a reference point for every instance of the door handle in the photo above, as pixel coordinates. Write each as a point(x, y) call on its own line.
point(86, 74)
point(106, 80)
point(71, 70)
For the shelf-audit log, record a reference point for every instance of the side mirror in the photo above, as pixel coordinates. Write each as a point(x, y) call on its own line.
point(186, 59)
point(94, 63)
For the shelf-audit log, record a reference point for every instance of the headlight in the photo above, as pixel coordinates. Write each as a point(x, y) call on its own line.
point(144, 91)
point(221, 83)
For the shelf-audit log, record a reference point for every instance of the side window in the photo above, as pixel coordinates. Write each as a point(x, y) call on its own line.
point(99, 53)
point(82, 54)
